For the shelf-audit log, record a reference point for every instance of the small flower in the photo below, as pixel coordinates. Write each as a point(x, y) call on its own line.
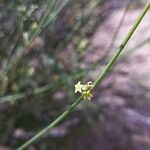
point(21, 8)
point(78, 87)
point(84, 89)
point(87, 95)
point(90, 85)
point(34, 25)
point(26, 37)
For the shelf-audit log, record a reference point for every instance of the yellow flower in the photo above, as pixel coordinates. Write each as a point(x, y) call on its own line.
point(84, 89)
point(78, 87)
point(90, 85)
point(87, 95)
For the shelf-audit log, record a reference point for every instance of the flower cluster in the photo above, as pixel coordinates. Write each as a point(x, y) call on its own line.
point(84, 89)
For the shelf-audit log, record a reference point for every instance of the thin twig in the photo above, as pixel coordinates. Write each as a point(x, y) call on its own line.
point(97, 81)
point(119, 26)
point(22, 50)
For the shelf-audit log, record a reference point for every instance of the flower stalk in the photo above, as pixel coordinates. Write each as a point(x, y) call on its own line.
point(97, 81)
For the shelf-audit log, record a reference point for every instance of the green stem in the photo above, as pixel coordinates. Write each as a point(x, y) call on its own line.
point(53, 124)
point(43, 19)
point(14, 61)
point(56, 13)
point(98, 80)
point(122, 45)
point(14, 97)
point(119, 26)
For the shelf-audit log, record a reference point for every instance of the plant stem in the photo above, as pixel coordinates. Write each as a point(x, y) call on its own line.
point(14, 97)
point(119, 26)
point(98, 80)
point(122, 45)
point(14, 61)
point(53, 124)
point(50, 5)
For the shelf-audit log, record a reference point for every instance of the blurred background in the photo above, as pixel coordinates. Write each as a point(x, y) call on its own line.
point(48, 46)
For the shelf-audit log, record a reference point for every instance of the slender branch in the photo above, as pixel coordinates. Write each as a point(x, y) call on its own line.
point(56, 13)
point(14, 61)
point(119, 26)
point(53, 124)
point(43, 19)
point(122, 45)
point(98, 80)
point(14, 97)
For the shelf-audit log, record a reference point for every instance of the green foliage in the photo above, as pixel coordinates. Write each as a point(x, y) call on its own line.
point(34, 59)
point(41, 57)
point(97, 81)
